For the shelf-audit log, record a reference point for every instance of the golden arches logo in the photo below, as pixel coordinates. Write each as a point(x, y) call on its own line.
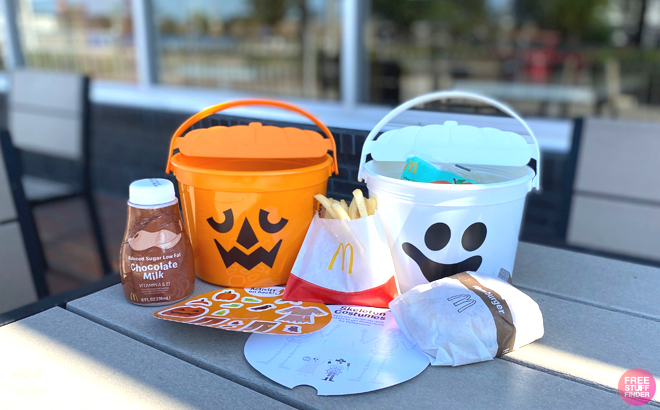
point(343, 248)
point(133, 297)
point(411, 166)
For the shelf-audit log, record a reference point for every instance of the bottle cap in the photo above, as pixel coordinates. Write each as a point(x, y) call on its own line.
point(152, 191)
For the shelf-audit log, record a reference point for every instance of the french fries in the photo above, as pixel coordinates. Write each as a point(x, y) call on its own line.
point(344, 205)
point(359, 198)
point(371, 206)
point(327, 204)
point(360, 207)
point(353, 211)
point(339, 210)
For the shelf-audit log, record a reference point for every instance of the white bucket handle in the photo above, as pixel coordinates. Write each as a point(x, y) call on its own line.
point(441, 95)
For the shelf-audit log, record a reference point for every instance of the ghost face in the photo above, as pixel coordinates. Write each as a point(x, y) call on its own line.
point(436, 238)
point(433, 241)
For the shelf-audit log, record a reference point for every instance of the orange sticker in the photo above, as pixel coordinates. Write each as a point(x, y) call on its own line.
point(253, 310)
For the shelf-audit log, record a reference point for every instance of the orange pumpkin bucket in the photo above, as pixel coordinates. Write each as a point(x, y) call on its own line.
point(247, 194)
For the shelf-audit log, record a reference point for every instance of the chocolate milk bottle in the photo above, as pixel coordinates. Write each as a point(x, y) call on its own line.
point(156, 258)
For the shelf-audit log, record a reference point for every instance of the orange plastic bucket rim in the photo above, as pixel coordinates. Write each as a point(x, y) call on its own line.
point(251, 181)
point(296, 151)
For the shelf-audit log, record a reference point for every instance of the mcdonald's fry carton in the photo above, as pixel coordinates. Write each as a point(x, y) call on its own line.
point(344, 262)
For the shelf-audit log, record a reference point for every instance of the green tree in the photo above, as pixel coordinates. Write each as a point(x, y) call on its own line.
point(168, 26)
point(459, 17)
point(271, 12)
point(199, 24)
point(577, 20)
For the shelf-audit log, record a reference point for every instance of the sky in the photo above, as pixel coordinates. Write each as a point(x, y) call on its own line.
point(172, 9)
point(94, 7)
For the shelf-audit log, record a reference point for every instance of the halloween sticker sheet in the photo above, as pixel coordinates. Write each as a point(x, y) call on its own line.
point(254, 310)
point(361, 350)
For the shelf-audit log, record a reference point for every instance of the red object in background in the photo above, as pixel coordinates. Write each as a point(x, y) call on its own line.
point(540, 63)
point(538, 66)
point(543, 54)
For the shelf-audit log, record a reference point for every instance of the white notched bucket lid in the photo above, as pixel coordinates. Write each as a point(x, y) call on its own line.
point(451, 142)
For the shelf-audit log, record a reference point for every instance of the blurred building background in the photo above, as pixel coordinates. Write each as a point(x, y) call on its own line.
point(154, 62)
point(604, 53)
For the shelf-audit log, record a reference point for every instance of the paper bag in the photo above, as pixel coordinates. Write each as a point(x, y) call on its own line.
point(344, 262)
point(467, 318)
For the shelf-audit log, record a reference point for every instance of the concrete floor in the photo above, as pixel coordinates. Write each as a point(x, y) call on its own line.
point(68, 242)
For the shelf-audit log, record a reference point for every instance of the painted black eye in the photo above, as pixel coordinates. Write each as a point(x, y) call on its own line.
point(474, 237)
point(269, 227)
point(225, 226)
point(437, 236)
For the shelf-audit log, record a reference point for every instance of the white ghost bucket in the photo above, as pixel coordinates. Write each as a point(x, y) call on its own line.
point(437, 230)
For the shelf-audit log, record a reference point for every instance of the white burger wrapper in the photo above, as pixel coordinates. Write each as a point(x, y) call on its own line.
point(467, 318)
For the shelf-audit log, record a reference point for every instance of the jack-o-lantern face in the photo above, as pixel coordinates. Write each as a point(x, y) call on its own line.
point(436, 238)
point(248, 239)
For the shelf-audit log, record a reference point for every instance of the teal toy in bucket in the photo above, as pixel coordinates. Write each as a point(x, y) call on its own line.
point(437, 230)
point(419, 170)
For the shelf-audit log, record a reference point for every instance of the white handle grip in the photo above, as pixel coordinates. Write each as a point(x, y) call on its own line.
point(443, 95)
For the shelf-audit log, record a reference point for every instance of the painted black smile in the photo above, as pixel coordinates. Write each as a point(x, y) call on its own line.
point(433, 270)
point(259, 255)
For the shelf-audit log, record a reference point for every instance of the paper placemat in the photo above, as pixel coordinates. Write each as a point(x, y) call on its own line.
point(361, 350)
point(254, 310)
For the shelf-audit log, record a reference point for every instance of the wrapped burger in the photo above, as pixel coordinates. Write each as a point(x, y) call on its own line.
point(467, 318)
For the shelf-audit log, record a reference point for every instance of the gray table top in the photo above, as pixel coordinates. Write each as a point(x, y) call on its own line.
point(60, 360)
point(605, 283)
point(574, 363)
